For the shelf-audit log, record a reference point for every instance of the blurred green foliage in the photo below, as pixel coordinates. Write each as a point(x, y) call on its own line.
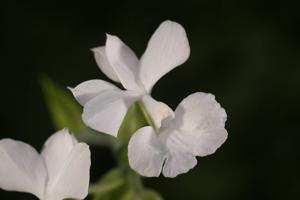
point(117, 185)
point(62, 107)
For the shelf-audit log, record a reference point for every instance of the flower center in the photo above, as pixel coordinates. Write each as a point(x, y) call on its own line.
point(162, 111)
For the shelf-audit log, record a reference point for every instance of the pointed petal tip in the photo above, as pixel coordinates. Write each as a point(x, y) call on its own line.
point(66, 130)
point(66, 133)
point(110, 36)
point(97, 49)
point(70, 88)
point(110, 39)
point(93, 49)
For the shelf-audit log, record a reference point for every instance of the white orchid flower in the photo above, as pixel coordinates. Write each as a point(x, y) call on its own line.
point(196, 128)
point(60, 171)
point(105, 105)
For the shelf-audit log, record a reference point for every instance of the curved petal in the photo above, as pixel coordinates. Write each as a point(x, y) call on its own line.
point(68, 163)
point(124, 62)
point(197, 143)
point(167, 48)
point(199, 111)
point(106, 112)
point(146, 154)
point(203, 143)
point(158, 111)
point(89, 89)
point(56, 150)
point(198, 126)
point(177, 163)
point(103, 63)
point(22, 169)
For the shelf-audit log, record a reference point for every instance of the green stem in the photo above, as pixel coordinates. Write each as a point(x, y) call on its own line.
point(133, 179)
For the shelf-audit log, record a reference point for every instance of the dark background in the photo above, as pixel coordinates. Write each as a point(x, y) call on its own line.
point(244, 52)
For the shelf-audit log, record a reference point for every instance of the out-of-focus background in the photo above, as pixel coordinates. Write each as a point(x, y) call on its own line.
point(247, 53)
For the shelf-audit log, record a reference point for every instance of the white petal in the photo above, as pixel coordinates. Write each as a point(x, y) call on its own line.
point(56, 149)
point(197, 142)
point(206, 142)
point(146, 153)
point(158, 111)
point(89, 89)
point(68, 163)
point(103, 63)
point(167, 48)
point(21, 168)
point(106, 112)
point(198, 126)
point(124, 62)
point(177, 163)
point(199, 111)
